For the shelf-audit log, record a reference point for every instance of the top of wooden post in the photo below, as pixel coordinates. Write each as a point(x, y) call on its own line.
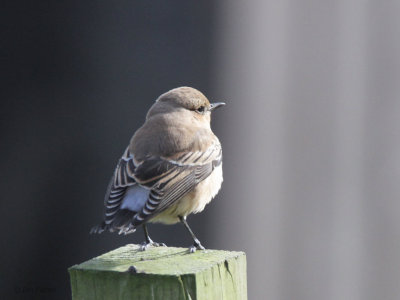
point(164, 272)
point(158, 260)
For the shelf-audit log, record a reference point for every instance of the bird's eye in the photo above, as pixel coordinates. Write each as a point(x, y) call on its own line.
point(201, 109)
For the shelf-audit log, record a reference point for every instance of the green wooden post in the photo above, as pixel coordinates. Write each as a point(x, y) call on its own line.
point(161, 273)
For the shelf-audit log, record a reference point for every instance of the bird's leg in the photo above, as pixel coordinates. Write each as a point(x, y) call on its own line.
point(196, 242)
point(149, 242)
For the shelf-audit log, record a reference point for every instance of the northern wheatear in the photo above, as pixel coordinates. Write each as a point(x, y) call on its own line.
point(171, 168)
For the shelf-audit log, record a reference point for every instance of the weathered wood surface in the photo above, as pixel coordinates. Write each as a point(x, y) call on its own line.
point(161, 273)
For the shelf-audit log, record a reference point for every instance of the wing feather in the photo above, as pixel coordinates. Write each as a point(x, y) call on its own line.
point(170, 180)
point(167, 178)
point(119, 183)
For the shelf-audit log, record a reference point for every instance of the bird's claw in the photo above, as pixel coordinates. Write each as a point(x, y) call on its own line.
point(146, 245)
point(196, 246)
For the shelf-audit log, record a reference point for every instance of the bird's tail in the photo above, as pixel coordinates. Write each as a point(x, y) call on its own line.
point(99, 228)
point(122, 222)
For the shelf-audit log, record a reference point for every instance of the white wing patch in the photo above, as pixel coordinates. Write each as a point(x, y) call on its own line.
point(135, 198)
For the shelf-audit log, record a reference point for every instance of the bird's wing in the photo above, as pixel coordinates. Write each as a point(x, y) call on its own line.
point(121, 180)
point(169, 179)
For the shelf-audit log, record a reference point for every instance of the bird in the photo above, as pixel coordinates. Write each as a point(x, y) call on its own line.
point(171, 168)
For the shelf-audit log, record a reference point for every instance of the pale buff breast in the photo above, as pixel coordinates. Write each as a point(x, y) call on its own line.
point(193, 202)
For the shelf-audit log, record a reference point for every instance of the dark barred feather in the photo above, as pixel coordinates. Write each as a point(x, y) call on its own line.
point(168, 180)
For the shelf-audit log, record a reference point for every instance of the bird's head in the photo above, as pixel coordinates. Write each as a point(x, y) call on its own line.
point(187, 100)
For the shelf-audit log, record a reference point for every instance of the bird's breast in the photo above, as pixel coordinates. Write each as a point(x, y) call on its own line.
point(205, 191)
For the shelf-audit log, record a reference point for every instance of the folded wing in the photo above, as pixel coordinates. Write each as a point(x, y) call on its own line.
point(139, 190)
point(170, 179)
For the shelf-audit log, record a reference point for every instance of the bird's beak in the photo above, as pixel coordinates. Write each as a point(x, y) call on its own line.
point(215, 105)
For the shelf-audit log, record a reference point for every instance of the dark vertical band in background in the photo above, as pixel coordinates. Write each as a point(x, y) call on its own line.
point(77, 80)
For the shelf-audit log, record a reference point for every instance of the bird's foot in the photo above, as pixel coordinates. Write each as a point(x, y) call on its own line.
point(196, 246)
point(150, 243)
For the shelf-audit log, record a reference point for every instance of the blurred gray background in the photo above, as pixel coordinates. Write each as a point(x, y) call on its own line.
point(311, 136)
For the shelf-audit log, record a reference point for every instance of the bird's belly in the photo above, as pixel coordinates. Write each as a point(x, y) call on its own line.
point(194, 201)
